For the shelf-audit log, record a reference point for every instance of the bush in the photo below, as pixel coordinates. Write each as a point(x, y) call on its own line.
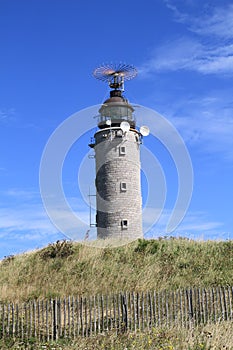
point(60, 249)
point(8, 259)
point(147, 246)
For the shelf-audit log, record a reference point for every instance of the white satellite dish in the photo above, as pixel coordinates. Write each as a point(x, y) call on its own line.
point(144, 130)
point(108, 122)
point(125, 126)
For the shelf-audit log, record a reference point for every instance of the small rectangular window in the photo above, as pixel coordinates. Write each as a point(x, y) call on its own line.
point(122, 150)
point(124, 224)
point(123, 186)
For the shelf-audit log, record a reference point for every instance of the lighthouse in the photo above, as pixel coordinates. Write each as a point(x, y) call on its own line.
point(117, 160)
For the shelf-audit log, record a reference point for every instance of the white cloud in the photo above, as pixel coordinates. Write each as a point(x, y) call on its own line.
point(190, 54)
point(27, 214)
point(206, 122)
point(213, 21)
point(218, 23)
point(194, 225)
point(7, 115)
point(21, 194)
point(25, 225)
point(179, 16)
point(209, 51)
point(215, 64)
point(25, 218)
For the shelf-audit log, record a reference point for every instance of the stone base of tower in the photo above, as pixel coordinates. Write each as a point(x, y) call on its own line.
point(122, 228)
point(111, 234)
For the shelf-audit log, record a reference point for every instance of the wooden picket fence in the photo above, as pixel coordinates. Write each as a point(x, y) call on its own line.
point(129, 311)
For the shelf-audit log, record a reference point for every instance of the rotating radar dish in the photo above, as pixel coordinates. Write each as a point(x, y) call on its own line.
point(115, 74)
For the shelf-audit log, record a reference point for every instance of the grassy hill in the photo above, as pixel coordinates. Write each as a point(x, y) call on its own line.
point(66, 268)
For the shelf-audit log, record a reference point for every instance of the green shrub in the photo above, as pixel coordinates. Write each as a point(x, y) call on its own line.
point(147, 246)
point(60, 249)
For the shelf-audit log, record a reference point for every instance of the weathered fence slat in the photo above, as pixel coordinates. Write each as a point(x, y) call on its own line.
point(230, 303)
point(151, 310)
point(159, 308)
point(38, 318)
point(3, 320)
point(17, 319)
point(98, 308)
point(126, 311)
point(77, 316)
point(114, 322)
point(225, 303)
point(155, 312)
point(167, 314)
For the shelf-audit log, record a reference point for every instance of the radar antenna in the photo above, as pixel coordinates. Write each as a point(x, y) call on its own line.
point(115, 74)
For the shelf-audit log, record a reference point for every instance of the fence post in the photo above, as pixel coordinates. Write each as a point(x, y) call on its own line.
point(106, 302)
point(142, 308)
point(147, 312)
point(230, 302)
point(111, 311)
point(90, 315)
point(98, 305)
point(77, 316)
point(151, 311)
point(34, 319)
point(55, 323)
point(38, 319)
point(115, 312)
point(124, 314)
point(52, 319)
point(190, 306)
point(167, 308)
point(68, 316)
point(221, 302)
point(81, 316)
point(102, 312)
point(17, 320)
point(225, 303)
point(138, 311)
point(216, 304)
point(173, 308)
point(155, 304)
point(134, 312)
point(94, 307)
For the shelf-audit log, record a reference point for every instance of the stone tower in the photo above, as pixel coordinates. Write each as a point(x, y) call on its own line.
point(117, 155)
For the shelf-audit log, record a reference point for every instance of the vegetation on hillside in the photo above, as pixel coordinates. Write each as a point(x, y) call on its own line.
point(214, 337)
point(66, 268)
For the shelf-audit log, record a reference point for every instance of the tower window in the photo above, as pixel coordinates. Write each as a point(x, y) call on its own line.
point(122, 150)
point(124, 224)
point(123, 186)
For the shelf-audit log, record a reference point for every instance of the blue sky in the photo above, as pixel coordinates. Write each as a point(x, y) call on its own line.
point(183, 51)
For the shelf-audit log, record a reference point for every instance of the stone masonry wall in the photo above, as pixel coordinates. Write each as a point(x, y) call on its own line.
point(118, 184)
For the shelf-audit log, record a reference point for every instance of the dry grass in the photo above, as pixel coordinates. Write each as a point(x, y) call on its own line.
point(209, 337)
point(66, 268)
point(74, 269)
